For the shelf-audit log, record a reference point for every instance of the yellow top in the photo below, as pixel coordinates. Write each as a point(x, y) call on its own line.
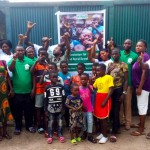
point(102, 84)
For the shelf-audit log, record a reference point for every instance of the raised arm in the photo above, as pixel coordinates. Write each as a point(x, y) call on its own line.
point(21, 38)
point(30, 25)
point(47, 41)
point(90, 58)
point(67, 44)
point(12, 65)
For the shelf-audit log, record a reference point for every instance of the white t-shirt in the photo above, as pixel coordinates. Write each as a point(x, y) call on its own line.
point(60, 80)
point(7, 58)
point(104, 62)
point(49, 51)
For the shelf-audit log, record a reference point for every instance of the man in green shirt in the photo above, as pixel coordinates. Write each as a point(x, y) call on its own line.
point(129, 57)
point(22, 86)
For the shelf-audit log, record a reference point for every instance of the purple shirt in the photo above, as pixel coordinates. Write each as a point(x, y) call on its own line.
point(137, 73)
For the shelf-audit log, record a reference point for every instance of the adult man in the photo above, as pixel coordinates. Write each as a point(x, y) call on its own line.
point(129, 57)
point(22, 85)
point(45, 41)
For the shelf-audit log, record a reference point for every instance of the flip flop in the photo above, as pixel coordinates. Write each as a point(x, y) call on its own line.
point(78, 139)
point(61, 139)
point(148, 136)
point(40, 130)
point(49, 141)
point(73, 141)
point(137, 133)
point(113, 139)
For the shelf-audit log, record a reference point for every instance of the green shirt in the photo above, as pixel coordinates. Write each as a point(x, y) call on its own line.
point(129, 59)
point(22, 79)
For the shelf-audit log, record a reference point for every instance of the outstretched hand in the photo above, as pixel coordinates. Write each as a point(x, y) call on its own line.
point(30, 24)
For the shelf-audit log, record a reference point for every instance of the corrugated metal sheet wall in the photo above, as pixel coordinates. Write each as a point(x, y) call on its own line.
point(80, 8)
point(122, 21)
point(44, 17)
point(131, 21)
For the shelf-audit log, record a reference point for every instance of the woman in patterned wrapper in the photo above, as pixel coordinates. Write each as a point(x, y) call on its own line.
point(5, 113)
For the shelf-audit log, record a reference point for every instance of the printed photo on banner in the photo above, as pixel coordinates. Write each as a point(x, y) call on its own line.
point(84, 28)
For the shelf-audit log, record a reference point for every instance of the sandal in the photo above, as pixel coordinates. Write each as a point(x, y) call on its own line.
point(31, 130)
point(137, 133)
point(40, 130)
point(113, 138)
point(17, 132)
point(78, 139)
point(49, 140)
point(148, 136)
point(73, 141)
point(91, 139)
point(61, 139)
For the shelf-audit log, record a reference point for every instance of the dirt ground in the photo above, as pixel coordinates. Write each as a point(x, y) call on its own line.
point(28, 141)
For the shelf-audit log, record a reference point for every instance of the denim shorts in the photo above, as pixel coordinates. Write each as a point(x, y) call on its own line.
point(39, 100)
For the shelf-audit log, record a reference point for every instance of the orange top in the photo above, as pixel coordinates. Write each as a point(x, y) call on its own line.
point(77, 80)
point(39, 69)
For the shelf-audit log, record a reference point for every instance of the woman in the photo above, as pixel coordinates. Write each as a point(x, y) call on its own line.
point(30, 53)
point(141, 80)
point(5, 53)
point(103, 56)
point(5, 113)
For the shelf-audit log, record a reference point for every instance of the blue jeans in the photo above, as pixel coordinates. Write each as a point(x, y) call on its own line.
point(55, 117)
point(88, 122)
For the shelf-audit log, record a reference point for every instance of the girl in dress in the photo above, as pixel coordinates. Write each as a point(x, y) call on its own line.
point(74, 103)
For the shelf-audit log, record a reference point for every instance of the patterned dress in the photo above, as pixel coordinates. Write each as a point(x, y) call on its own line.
point(5, 113)
point(76, 117)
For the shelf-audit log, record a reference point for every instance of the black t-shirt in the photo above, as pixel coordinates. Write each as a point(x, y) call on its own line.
point(54, 98)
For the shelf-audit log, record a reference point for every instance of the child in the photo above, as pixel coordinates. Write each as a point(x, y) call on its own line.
point(53, 106)
point(119, 71)
point(80, 69)
point(38, 69)
point(85, 92)
point(102, 106)
point(66, 76)
point(45, 76)
point(74, 103)
point(92, 80)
